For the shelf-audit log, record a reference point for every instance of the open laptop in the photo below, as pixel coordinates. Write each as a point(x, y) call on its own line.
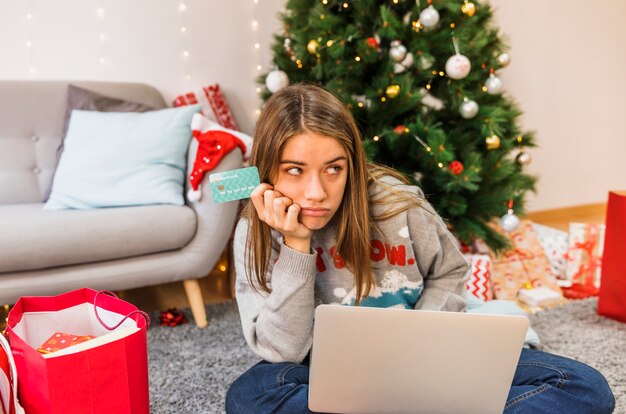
point(381, 360)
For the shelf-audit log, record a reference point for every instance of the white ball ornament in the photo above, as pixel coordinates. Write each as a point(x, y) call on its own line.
point(276, 80)
point(509, 222)
point(405, 64)
point(468, 109)
point(429, 17)
point(493, 85)
point(504, 59)
point(458, 66)
point(397, 52)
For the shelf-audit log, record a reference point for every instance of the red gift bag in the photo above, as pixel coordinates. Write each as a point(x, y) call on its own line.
point(108, 374)
point(612, 297)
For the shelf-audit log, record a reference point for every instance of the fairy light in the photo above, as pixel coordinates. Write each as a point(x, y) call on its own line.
point(376, 138)
point(357, 58)
point(184, 37)
point(254, 25)
point(104, 63)
point(28, 43)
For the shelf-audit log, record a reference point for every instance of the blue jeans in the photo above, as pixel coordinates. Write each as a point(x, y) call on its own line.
point(543, 383)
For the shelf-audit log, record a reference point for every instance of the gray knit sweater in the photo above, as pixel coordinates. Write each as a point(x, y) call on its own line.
point(415, 260)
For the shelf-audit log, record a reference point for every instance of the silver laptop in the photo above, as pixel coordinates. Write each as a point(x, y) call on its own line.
point(381, 360)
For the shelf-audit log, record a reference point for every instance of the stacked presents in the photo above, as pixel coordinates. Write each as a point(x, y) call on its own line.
point(542, 266)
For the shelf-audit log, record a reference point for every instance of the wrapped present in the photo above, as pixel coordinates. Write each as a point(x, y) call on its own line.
point(525, 266)
point(555, 245)
point(540, 297)
point(212, 103)
point(61, 340)
point(479, 282)
point(584, 255)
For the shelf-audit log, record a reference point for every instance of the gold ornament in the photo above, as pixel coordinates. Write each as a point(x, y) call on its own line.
point(493, 142)
point(392, 91)
point(312, 46)
point(468, 8)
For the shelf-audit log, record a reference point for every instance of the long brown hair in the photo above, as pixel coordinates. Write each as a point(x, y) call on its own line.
point(303, 108)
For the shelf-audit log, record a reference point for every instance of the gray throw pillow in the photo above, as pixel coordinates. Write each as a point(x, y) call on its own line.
point(86, 100)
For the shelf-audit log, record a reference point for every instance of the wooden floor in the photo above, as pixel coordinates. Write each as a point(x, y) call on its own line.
point(216, 286)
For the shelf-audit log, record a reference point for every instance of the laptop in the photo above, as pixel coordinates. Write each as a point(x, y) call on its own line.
point(384, 360)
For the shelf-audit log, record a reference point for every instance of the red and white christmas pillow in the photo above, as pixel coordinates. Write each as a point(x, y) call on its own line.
point(213, 105)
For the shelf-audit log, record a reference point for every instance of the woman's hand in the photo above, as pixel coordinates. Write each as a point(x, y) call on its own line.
point(281, 213)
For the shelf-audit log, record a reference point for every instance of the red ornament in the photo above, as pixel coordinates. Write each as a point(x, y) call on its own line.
point(372, 42)
point(172, 317)
point(400, 129)
point(456, 167)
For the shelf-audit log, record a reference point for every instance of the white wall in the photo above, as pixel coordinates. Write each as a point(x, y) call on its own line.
point(566, 71)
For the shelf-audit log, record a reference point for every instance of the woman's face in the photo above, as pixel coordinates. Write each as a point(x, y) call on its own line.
point(312, 172)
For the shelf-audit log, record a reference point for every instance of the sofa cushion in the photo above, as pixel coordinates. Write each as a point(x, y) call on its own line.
point(83, 99)
point(114, 159)
point(40, 239)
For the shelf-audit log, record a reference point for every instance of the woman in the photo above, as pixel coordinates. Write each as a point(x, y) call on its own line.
point(326, 227)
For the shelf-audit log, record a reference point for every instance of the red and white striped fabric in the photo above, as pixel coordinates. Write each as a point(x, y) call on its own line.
point(213, 105)
point(8, 381)
point(479, 282)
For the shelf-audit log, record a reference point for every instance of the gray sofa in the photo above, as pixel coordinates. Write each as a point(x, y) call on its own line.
point(50, 252)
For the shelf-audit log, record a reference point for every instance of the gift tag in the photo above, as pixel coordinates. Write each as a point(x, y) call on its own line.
point(234, 184)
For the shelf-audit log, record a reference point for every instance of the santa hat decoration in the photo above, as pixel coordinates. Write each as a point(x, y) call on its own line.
point(214, 142)
point(8, 380)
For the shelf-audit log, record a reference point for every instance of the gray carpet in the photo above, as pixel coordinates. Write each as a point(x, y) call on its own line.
point(190, 369)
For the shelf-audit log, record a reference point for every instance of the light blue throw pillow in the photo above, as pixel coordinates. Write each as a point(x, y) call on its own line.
point(116, 159)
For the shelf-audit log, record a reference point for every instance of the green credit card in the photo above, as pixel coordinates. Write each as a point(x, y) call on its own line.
point(234, 184)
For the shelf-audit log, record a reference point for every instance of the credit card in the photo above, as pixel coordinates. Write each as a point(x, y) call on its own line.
point(234, 184)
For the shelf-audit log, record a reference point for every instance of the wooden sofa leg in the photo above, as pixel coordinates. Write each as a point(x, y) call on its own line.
point(194, 296)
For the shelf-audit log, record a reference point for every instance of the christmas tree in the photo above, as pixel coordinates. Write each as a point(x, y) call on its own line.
point(421, 78)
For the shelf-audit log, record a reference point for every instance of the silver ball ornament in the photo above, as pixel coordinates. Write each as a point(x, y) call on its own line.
point(404, 65)
point(429, 17)
point(523, 158)
point(468, 109)
point(504, 59)
point(458, 66)
point(509, 222)
point(397, 52)
point(493, 85)
point(276, 80)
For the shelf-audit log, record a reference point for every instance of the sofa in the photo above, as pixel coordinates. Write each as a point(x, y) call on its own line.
point(49, 252)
